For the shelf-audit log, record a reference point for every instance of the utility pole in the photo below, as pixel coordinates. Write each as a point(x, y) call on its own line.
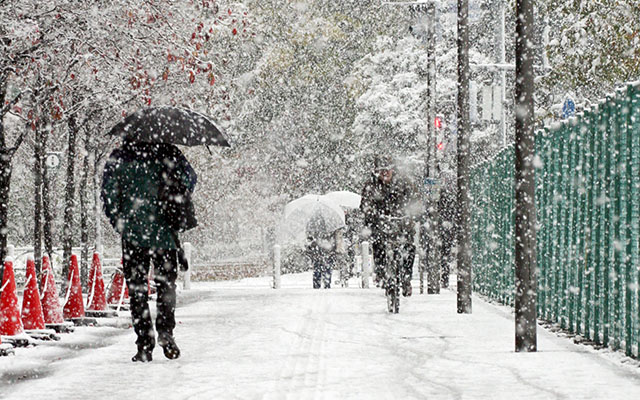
point(424, 28)
point(464, 131)
point(433, 245)
point(503, 72)
point(525, 252)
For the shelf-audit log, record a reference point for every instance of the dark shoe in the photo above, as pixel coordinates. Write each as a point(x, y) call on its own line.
point(407, 290)
point(143, 355)
point(169, 346)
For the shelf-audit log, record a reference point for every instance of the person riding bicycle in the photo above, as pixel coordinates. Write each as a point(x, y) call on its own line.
point(389, 194)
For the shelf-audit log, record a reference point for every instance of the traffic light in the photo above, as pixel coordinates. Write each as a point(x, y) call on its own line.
point(440, 146)
point(437, 122)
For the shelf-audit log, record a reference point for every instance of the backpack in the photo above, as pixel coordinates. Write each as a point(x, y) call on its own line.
point(177, 205)
point(179, 210)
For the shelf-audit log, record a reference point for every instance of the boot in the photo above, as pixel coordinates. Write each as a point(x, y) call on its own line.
point(169, 346)
point(144, 354)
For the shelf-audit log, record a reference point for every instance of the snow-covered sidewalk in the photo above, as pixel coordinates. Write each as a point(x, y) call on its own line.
point(244, 340)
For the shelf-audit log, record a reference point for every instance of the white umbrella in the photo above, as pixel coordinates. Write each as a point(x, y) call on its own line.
point(345, 199)
point(310, 213)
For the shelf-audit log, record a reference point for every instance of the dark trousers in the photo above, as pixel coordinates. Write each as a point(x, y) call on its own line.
point(136, 264)
point(407, 252)
point(446, 258)
point(322, 272)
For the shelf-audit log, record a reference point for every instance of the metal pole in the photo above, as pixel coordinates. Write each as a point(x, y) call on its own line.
point(434, 264)
point(525, 251)
point(366, 265)
point(503, 61)
point(98, 203)
point(276, 266)
point(464, 131)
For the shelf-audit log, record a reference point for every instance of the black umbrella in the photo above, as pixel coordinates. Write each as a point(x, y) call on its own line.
point(170, 125)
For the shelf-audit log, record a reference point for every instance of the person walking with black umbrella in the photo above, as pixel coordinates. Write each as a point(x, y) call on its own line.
point(146, 192)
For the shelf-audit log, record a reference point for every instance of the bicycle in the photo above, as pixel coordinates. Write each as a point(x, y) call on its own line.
point(395, 242)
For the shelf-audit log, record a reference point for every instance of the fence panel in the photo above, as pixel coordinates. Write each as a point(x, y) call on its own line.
point(588, 208)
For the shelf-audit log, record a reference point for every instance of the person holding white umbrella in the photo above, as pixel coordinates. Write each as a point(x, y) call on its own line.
point(313, 220)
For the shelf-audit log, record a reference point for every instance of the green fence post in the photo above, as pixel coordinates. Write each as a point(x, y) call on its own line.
point(570, 225)
point(608, 248)
point(588, 217)
point(635, 128)
point(628, 221)
point(557, 224)
point(564, 226)
point(582, 148)
point(599, 203)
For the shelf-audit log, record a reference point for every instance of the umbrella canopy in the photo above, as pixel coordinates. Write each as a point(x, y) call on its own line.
point(345, 199)
point(170, 125)
point(310, 215)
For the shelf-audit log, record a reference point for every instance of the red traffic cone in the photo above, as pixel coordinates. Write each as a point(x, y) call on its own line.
point(118, 289)
point(50, 301)
point(97, 300)
point(10, 322)
point(32, 315)
point(73, 305)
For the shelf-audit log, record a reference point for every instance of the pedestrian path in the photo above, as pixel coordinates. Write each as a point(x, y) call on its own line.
point(243, 340)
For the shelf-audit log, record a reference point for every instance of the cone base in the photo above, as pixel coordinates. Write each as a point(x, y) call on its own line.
point(122, 307)
point(61, 328)
point(42, 334)
point(18, 341)
point(83, 321)
point(101, 314)
point(6, 350)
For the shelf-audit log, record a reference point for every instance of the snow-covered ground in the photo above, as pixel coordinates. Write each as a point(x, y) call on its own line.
point(244, 340)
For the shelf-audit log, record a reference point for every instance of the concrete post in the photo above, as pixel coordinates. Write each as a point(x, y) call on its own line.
point(187, 273)
point(276, 266)
point(366, 265)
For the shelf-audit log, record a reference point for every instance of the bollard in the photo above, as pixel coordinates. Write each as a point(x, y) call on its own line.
point(358, 266)
point(187, 274)
point(366, 265)
point(276, 267)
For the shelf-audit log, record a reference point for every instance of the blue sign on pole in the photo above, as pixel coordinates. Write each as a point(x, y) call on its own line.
point(568, 108)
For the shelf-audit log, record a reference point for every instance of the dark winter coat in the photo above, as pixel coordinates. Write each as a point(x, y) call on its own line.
point(397, 198)
point(134, 176)
point(321, 249)
point(447, 208)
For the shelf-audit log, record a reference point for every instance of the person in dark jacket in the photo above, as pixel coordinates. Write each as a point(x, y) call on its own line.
point(388, 194)
point(321, 251)
point(447, 208)
point(134, 177)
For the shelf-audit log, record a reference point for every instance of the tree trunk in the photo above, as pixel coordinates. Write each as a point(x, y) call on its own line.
point(47, 228)
point(464, 131)
point(37, 206)
point(5, 186)
point(97, 204)
point(6, 168)
point(84, 225)
point(69, 203)
point(525, 252)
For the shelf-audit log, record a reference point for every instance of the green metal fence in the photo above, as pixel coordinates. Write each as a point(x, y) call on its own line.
point(588, 208)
